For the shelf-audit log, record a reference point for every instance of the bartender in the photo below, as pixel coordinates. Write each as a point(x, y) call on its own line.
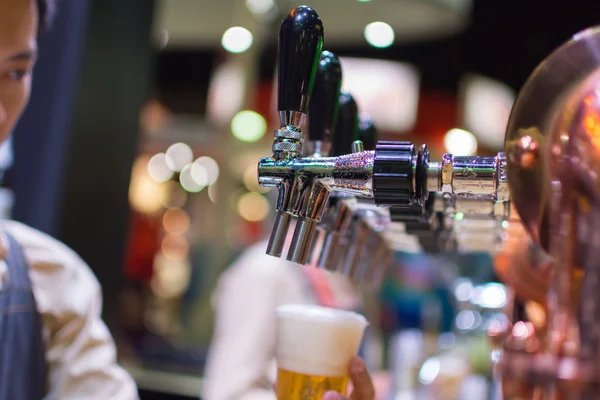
point(53, 342)
point(241, 363)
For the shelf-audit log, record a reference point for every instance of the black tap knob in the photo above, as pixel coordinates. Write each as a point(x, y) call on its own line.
point(323, 107)
point(393, 174)
point(300, 43)
point(367, 133)
point(346, 129)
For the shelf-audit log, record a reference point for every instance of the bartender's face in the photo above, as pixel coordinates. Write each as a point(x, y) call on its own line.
point(18, 34)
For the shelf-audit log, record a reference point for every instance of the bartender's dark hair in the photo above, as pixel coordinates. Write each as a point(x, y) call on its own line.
point(45, 13)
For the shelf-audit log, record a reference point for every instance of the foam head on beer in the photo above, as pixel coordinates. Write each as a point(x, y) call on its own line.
point(316, 340)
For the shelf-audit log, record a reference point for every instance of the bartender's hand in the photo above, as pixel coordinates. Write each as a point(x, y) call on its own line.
point(362, 384)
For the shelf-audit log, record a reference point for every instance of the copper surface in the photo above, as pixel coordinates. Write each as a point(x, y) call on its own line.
point(553, 150)
point(533, 115)
point(522, 265)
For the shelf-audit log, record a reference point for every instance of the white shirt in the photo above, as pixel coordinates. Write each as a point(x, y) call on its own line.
point(241, 364)
point(80, 352)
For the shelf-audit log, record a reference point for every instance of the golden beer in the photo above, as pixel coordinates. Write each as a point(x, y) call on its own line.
point(294, 385)
point(314, 348)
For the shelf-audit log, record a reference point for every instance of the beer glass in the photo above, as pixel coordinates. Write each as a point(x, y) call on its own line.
point(314, 348)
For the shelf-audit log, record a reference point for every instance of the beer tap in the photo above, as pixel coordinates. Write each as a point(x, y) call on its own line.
point(354, 244)
point(324, 105)
point(395, 174)
point(327, 131)
point(347, 125)
point(341, 205)
point(300, 42)
point(367, 250)
point(367, 133)
point(362, 249)
point(322, 121)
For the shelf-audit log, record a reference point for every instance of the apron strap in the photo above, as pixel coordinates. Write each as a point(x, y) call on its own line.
point(23, 373)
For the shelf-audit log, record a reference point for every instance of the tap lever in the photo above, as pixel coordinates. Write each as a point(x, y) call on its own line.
point(323, 107)
point(367, 132)
point(300, 43)
point(346, 129)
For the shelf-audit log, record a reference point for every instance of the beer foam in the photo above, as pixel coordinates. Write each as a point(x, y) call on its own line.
point(315, 340)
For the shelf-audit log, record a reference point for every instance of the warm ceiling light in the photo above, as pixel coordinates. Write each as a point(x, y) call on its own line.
point(459, 142)
point(237, 39)
point(379, 34)
point(260, 7)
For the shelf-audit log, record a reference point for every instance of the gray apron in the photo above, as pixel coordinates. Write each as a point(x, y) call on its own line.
point(22, 355)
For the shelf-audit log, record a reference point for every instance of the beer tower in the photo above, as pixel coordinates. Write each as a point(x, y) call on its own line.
point(395, 175)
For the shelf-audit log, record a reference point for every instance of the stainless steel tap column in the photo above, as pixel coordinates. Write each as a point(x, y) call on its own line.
point(393, 174)
point(304, 183)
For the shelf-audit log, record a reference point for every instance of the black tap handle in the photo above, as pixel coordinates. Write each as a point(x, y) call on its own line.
point(346, 129)
point(323, 107)
point(300, 43)
point(367, 133)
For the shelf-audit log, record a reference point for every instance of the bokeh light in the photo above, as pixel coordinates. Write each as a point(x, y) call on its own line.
point(176, 195)
point(237, 39)
point(460, 142)
point(379, 34)
point(260, 7)
point(199, 174)
point(171, 277)
point(248, 126)
point(205, 168)
point(175, 246)
point(188, 182)
point(253, 207)
point(178, 156)
point(176, 220)
point(212, 193)
point(146, 195)
point(159, 169)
